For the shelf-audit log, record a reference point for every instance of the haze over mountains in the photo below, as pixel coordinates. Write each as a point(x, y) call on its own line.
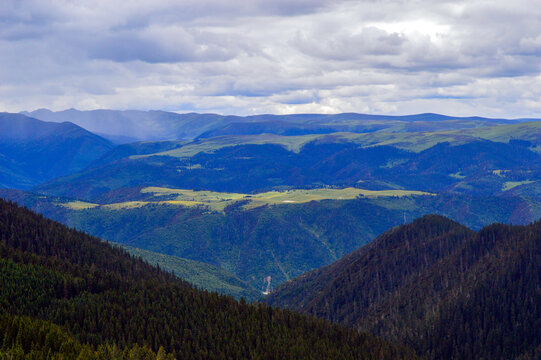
point(133, 125)
point(33, 151)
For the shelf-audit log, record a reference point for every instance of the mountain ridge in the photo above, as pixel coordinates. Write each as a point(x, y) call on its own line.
point(138, 125)
point(448, 294)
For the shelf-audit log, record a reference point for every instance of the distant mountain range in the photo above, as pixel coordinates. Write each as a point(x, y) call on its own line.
point(437, 286)
point(132, 125)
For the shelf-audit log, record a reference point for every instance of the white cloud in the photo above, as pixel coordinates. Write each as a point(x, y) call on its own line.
point(249, 56)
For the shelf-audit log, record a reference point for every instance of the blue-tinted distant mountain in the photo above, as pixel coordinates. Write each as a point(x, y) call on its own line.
point(34, 151)
point(332, 118)
point(132, 125)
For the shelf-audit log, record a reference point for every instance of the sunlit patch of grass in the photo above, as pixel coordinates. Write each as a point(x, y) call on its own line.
point(500, 172)
point(508, 185)
point(457, 175)
point(126, 205)
point(291, 143)
point(193, 195)
point(217, 201)
point(78, 205)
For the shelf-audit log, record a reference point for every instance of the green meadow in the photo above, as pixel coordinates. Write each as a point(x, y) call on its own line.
point(218, 201)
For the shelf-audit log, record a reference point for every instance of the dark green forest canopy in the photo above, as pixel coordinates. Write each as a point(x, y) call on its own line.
point(22, 337)
point(99, 296)
point(477, 167)
point(437, 286)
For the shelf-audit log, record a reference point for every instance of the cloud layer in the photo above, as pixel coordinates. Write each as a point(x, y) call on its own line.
point(258, 56)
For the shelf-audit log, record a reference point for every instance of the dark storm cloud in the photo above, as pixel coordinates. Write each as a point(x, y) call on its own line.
point(184, 46)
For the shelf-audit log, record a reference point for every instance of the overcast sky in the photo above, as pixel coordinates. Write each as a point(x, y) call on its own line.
point(273, 56)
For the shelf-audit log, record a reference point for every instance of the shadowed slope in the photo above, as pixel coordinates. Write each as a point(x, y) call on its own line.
point(437, 286)
point(33, 151)
point(102, 296)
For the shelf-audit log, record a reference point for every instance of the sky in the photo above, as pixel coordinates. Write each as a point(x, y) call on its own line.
point(246, 57)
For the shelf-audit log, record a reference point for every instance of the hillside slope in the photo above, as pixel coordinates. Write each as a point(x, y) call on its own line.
point(33, 151)
point(103, 297)
point(437, 286)
point(262, 163)
point(199, 274)
point(281, 241)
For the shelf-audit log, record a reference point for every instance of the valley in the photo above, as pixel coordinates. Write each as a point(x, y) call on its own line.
point(274, 203)
point(274, 209)
point(68, 295)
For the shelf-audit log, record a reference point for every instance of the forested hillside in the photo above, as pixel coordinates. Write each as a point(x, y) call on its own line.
point(253, 164)
point(94, 298)
point(26, 338)
point(199, 274)
point(256, 243)
point(437, 286)
point(281, 241)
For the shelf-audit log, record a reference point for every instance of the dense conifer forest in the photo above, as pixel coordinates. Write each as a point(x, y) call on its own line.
point(69, 295)
point(444, 290)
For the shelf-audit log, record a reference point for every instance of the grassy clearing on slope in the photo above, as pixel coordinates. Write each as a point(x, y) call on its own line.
point(419, 141)
point(508, 185)
point(416, 142)
point(412, 141)
point(218, 201)
point(291, 143)
point(125, 205)
point(78, 205)
point(530, 131)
